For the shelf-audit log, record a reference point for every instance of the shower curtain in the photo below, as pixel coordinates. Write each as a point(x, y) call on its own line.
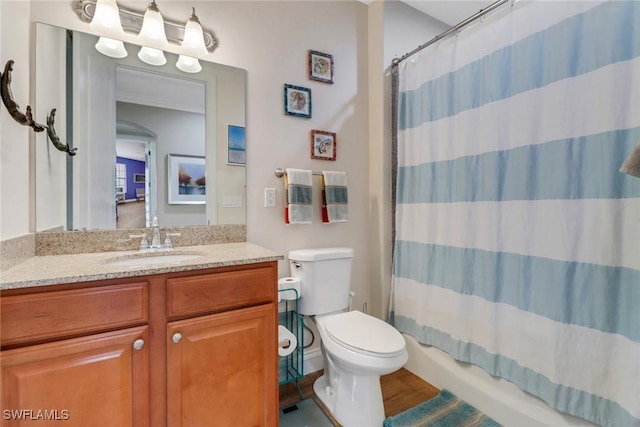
point(517, 240)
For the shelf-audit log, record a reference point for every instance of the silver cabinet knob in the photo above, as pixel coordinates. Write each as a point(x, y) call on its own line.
point(138, 344)
point(176, 337)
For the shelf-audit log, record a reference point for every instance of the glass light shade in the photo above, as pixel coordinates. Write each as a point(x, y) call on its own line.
point(106, 19)
point(152, 33)
point(111, 47)
point(188, 64)
point(193, 42)
point(152, 56)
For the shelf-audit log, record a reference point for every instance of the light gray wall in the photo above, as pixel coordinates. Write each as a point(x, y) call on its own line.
point(17, 183)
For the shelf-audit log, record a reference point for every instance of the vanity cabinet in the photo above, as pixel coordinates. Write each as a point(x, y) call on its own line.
point(99, 380)
point(222, 349)
point(218, 368)
point(60, 366)
point(185, 349)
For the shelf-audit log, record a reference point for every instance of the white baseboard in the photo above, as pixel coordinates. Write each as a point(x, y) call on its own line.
point(312, 361)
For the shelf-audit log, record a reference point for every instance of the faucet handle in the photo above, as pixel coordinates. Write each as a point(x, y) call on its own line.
point(167, 240)
point(144, 243)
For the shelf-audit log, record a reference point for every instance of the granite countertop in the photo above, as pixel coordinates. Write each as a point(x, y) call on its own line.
point(58, 269)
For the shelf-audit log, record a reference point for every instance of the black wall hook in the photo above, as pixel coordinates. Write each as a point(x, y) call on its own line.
point(26, 118)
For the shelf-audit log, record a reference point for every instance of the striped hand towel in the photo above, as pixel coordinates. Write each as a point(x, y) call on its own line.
point(298, 196)
point(334, 197)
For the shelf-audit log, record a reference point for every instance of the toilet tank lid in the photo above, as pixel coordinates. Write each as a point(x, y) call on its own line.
point(318, 254)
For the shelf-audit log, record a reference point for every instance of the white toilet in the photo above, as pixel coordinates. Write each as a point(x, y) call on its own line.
point(357, 348)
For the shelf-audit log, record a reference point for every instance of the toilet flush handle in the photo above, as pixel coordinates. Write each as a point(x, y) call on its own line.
point(297, 265)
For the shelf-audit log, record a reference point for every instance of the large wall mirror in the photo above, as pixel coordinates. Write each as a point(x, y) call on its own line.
point(150, 140)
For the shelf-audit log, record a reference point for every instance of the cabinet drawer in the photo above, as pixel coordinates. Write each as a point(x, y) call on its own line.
point(60, 314)
point(221, 291)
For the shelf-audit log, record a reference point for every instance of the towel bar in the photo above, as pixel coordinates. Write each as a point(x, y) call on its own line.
point(280, 172)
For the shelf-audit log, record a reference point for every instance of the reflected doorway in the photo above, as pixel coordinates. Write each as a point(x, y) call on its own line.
point(134, 175)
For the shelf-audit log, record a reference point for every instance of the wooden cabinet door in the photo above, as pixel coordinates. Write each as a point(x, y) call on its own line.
point(97, 380)
point(222, 369)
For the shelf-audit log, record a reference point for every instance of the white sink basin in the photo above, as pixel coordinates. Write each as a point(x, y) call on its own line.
point(148, 259)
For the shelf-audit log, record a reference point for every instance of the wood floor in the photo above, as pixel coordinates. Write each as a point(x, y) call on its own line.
point(401, 390)
point(131, 215)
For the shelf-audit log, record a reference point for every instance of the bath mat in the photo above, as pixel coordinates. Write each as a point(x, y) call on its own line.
point(444, 410)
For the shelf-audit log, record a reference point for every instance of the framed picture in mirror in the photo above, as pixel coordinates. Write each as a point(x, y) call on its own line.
point(236, 146)
point(139, 177)
point(186, 179)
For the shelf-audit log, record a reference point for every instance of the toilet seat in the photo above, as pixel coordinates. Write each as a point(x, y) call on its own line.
point(364, 334)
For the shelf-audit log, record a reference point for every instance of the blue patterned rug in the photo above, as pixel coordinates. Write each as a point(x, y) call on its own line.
point(444, 410)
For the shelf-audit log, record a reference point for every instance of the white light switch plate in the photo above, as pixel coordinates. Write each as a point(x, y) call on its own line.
point(232, 202)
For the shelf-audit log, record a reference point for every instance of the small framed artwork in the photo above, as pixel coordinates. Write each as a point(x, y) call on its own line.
point(186, 180)
point(323, 145)
point(320, 67)
point(297, 101)
point(236, 146)
point(138, 177)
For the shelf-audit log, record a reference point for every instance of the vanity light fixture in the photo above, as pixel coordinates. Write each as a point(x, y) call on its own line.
point(192, 46)
point(152, 37)
point(194, 42)
point(106, 21)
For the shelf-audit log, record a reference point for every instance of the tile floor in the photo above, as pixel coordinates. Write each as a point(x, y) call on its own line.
point(305, 413)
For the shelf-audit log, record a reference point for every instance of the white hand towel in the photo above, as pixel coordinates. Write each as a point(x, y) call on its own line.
point(299, 196)
point(335, 198)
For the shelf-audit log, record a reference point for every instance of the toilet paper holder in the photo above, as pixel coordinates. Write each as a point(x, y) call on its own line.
point(290, 332)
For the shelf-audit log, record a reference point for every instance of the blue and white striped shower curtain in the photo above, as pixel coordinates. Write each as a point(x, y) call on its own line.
point(517, 241)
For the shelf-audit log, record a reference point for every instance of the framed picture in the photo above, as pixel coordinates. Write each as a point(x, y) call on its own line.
point(186, 180)
point(297, 101)
point(320, 67)
point(323, 145)
point(236, 146)
point(138, 177)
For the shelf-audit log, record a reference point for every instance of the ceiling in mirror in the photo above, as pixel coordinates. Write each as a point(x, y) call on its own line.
point(112, 109)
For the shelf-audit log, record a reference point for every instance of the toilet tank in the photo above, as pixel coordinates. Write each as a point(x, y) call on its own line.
point(325, 278)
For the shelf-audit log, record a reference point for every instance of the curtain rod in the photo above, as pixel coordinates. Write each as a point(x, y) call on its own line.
point(480, 13)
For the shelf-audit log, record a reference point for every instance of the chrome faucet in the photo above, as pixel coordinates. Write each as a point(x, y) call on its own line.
point(155, 239)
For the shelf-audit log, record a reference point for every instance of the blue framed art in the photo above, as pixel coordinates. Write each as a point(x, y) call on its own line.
point(236, 146)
